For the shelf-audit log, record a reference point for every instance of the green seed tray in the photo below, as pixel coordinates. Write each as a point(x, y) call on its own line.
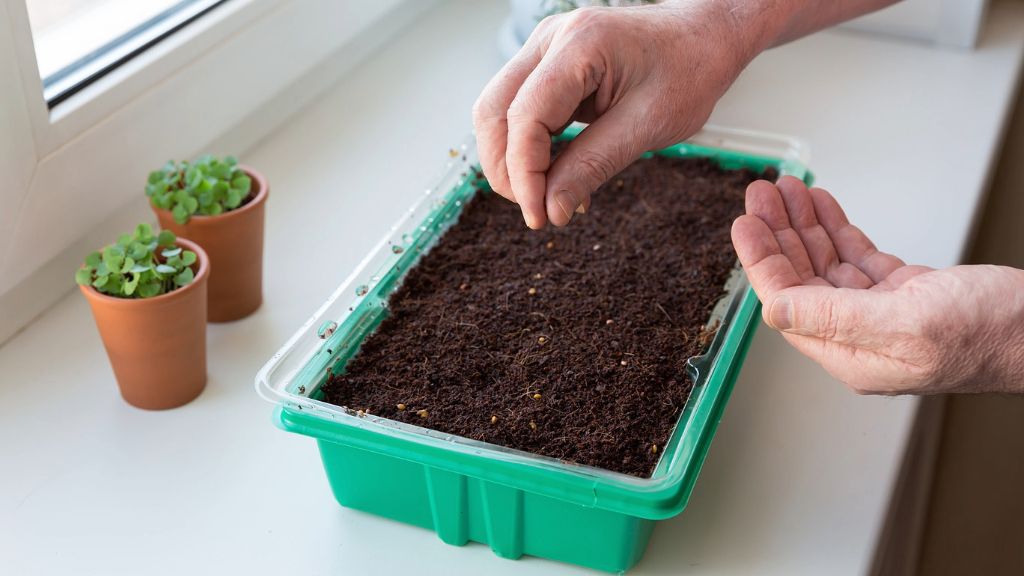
point(515, 502)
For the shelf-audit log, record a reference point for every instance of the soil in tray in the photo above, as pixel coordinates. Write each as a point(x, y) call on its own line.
point(570, 342)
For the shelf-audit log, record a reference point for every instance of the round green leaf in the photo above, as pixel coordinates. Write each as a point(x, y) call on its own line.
point(129, 287)
point(171, 252)
point(188, 257)
point(165, 269)
point(180, 214)
point(185, 277)
point(93, 259)
point(166, 238)
point(149, 289)
point(101, 281)
point(83, 276)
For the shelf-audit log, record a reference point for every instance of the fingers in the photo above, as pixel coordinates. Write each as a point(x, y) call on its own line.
point(601, 151)
point(816, 240)
point(546, 101)
point(850, 243)
point(764, 201)
point(767, 268)
point(490, 110)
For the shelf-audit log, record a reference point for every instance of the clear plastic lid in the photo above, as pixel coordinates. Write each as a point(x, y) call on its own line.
point(334, 332)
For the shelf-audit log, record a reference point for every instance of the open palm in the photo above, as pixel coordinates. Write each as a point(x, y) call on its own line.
point(871, 320)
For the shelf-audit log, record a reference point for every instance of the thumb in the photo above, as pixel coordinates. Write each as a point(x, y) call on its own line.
point(842, 315)
point(600, 152)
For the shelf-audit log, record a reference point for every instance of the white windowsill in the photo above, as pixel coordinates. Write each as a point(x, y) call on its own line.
point(798, 477)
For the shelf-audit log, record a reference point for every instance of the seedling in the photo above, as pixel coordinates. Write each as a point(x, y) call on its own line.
point(138, 265)
point(209, 186)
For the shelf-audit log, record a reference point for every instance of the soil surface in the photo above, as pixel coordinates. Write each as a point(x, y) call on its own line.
point(571, 342)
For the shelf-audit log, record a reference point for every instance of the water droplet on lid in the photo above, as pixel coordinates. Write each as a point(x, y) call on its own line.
point(427, 191)
point(326, 329)
point(458, 202)
point(361, 290)
point(397, 249)
point(406, 239)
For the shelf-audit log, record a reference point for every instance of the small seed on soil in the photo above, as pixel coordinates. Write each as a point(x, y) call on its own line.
point(536, 396)
point(654, 448)
point(549, 245)
point(623, 362)
point(541, 340)
point(400, 406)
point(619, 183)
point(422, 413)
point(494, 419)
point(538, 275)
point(609, 321)
point(533, 425)
point(597, 247)
point(463, 286)
point(360, 413)
point(532, 291)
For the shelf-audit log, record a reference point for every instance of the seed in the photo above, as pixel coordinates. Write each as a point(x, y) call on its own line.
point(423, 413)
point(549, 245)
point(400, 406)
point(541, 340)
point(654, 448)
point(597, 247)
point(532, 291)
point(619, 183)
point(623, 362)
point(538, 275)
point(609, 321)
point(360, 413)
point(536, 396)
point(533, 425)
point(453, 152)
point(463, 286)
point(494, 419)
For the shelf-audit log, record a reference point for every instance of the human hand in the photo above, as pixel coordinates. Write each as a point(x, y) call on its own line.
point(644, 78)
point(875, 323)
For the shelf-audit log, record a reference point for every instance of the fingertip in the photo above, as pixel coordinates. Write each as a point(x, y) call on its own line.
point(790, 183)
point(533, 222)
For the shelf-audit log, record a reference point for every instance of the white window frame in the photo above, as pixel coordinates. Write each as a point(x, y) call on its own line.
point(70, 175)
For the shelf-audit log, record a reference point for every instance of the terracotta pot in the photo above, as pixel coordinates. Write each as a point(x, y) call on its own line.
point(234, 242)
point(157, 346)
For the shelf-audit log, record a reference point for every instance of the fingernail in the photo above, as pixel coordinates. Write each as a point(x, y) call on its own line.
point(567, 201)
point(780, 316)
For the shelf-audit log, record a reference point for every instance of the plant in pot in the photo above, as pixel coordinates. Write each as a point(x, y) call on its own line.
point(148, 296)
point(219, 204)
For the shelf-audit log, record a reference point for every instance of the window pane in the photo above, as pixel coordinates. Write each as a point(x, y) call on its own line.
point(77, 41)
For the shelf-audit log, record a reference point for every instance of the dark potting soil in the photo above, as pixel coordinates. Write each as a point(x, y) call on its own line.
point(568, 342)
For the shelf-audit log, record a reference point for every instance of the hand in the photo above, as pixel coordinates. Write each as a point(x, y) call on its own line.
point(644, 78)
point(875, 323)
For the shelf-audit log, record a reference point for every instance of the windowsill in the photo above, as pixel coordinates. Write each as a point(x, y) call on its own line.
point(799, 475)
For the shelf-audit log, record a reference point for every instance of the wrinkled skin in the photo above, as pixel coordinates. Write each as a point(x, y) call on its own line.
point(875, 323)
point(647, 77)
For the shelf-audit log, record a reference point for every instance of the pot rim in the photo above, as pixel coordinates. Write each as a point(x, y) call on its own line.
point(201, 275)
point(262, 191)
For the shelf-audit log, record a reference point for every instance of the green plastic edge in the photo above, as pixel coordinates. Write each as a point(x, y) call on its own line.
point(703, 411)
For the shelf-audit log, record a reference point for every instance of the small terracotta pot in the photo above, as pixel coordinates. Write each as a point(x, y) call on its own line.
point(157, 346)
point(234, 242)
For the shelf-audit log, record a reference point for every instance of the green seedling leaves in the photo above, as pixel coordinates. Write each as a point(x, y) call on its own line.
point(166, 238)
point(208, 186)
point(184, 277)
point(139, 265)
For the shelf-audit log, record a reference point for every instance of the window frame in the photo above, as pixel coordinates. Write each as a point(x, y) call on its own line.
point(70, 175)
